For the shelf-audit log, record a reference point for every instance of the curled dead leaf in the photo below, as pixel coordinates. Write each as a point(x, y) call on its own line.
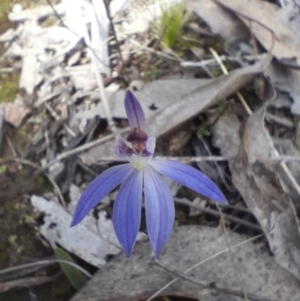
point(254, 175)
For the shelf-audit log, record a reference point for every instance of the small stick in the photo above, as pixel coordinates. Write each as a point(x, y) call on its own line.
point(24, 282)
point(242, 284)
point(210, 286)
point(45, 262)
point(224, 70)
point(82, 148)
point(217, 214)
point(200, 263)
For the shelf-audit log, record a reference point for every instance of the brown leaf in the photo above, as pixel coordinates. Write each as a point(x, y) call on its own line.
point(199, 99)
point(286, 147)
point(286, 80)
point(125, 279)
point(221, 22)
point(15, 113)
point(265, 23)
point(226, 134)
point(255, 177)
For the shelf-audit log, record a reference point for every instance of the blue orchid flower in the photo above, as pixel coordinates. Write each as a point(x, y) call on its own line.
point(142, 176)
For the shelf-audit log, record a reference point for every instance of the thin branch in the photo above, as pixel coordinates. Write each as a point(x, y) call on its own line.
point(217, 214)
point(286, 158)
point(44, 263)
point(24, 282)
point(82, 148)
point(210, 286)
point(200, 263)
point(224, 70)
point(242, 284)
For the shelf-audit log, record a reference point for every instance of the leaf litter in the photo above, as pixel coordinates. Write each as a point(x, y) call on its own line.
point(68, 112)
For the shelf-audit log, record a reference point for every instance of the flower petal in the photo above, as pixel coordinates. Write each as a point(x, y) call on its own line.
point(160, 212)
point(98, 189)
point(189, 177)
point(127, 211)
point(134, 112)
point(122, 149)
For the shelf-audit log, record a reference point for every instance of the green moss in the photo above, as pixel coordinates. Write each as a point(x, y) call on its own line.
point(9, 86)
point(42, 185)
point(171, 24)
point(6, 5)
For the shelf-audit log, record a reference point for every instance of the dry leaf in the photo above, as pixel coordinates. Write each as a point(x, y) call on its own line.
point(15, 113)
point(286, 147)
point(195, 101)
point(226, 134)
point(82, 240)
point(137, 278)
point(266, 25)
point(221, 22)
point(286, 80)
point(254, 176)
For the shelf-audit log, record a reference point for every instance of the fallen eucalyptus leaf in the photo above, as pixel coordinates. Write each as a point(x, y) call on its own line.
point(221, 22)
point(185, 106)
point(254, 175)
point(266, 25)
point(286, 80)
point(137, 278)
point(82, 240)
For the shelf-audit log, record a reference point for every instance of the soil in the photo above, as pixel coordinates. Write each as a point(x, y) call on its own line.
point(20, 241)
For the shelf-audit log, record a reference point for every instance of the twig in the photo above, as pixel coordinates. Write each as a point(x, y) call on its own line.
point(202, 262)
point(217, 214)
point(6, 70)
point(113, 30)
point(232, 255)
point(286, 158)
point(181, 159)
point(10, 145)
point(285, 122)
point(57, 117)
point(222, 176)
point(195, 159)
point(224, 70)
point(45, 262)
point(165, 55)
point(210, 286)
point(86, 168)
point(24, 282)
point(100, 84)
point(204, 63)
point(83, 148)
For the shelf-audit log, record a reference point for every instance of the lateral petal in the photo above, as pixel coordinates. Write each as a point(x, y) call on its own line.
point(189, 177)
point(98, 189)
point(160, 212)
point(134, 112)
point(127, 211)
point(122, 149)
